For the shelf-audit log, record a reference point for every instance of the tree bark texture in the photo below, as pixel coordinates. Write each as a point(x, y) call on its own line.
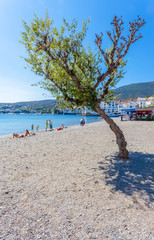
point(120, 139)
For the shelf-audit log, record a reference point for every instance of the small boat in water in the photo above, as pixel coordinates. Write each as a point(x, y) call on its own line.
point(113, 114)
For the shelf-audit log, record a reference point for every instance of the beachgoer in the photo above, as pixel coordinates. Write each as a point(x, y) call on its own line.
point(37, 127)
point(50, 125)
point(46, 125)
point(82, 122)
point(21, 135)
point(32, 127)
point(61, 128)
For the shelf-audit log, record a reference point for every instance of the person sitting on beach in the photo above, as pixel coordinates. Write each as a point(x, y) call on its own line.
point(61, 128)
point(21, 135)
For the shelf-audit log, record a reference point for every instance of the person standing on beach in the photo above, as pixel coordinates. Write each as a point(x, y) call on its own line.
point(82, 122)
point(32, 127)
point(37, 127)
point(46, 125)
point(50, 125)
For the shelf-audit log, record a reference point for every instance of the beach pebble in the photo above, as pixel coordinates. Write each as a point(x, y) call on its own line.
point(71, 185)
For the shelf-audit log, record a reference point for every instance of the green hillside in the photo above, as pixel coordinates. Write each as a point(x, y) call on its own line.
point(41, 103)
point(136, 90)
point(44, 106)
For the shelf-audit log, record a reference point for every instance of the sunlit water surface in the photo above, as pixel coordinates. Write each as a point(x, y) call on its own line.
point(18, 123)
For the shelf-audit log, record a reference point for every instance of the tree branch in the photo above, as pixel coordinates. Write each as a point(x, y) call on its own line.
point(98, 42)
point(43, 45)
point(105, 90)
point(119, 48)
point(102, 77)
point(62, 90)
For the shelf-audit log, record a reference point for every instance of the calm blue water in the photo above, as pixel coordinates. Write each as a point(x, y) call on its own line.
point(19, 123)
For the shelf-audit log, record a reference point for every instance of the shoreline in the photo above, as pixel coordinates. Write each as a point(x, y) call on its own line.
point(16, 125)
point(69, 184)
point(43, 130)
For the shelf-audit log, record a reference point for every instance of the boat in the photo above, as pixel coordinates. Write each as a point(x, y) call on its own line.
point(113, 114)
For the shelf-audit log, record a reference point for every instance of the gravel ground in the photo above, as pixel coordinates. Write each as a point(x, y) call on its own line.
point(69, 184)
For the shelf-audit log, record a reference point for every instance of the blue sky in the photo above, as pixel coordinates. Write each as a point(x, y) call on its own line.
point(15, 81)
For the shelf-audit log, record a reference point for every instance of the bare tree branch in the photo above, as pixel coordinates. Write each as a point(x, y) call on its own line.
point(121, 45)
point(98, 42)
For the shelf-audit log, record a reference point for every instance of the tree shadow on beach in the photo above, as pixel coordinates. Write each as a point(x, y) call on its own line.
point(134, 175)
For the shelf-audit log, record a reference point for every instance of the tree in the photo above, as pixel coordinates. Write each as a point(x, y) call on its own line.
point(72, 72)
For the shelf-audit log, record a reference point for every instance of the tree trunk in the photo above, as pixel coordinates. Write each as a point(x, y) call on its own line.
point(120, 139)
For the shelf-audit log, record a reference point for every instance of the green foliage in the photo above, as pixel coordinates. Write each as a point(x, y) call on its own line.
point(136, 90)
point(148, 118)
point(67, 69)
point(140, 117)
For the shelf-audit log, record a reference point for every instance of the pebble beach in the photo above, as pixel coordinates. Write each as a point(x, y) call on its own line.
point(70, 184)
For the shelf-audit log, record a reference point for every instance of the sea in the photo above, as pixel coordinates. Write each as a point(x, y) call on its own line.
point(18, 123)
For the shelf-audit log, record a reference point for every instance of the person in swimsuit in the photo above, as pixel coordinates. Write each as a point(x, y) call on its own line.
point(21, 135)
point(46, 125)
point(50, 125)
point(61, 128)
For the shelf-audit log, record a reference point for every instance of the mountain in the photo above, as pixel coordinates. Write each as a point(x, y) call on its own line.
point(44, 106)
point(136, 90)
point(41, 103)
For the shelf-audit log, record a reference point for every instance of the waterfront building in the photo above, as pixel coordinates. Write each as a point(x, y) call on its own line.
point(144, 102)
point(117, 106)
point(111, 107)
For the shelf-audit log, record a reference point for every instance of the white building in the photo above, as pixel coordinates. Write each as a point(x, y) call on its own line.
point(144, 102)
point(131, 104)
point(141, 102)
point(110, 107)
point(116, 106)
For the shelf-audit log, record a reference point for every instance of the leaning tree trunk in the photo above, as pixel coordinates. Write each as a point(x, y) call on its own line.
point(120, 139)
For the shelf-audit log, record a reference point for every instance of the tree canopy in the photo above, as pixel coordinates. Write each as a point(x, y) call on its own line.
point(71, 71)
